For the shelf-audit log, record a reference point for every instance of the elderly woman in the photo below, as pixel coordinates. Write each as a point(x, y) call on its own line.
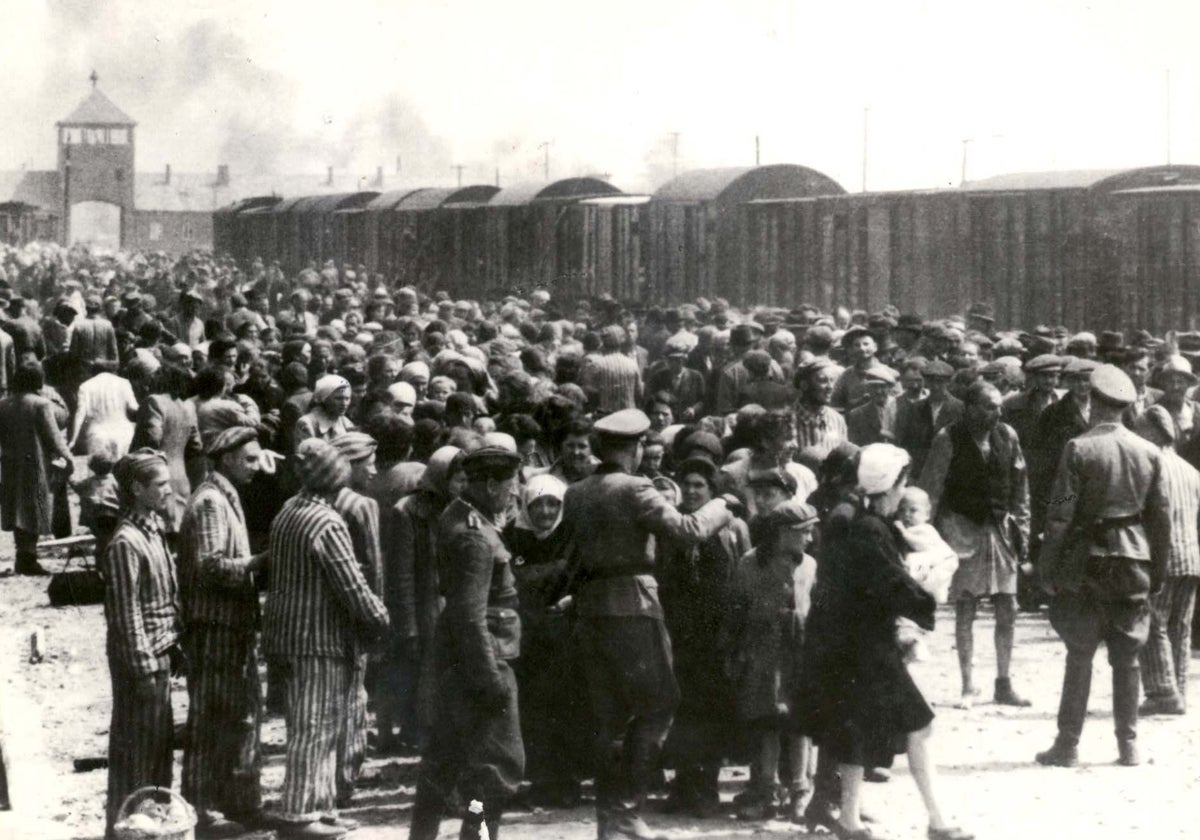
point(33, 458)
point(326, 418)
point(554, 708)
point(695, 595)
point(854, 695)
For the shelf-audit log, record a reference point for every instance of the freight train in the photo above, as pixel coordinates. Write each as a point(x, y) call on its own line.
point(1106, 249)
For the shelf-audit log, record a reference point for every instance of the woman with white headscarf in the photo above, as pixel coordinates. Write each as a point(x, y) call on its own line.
point(326, 419)
point(854, 695)
point(554, 709)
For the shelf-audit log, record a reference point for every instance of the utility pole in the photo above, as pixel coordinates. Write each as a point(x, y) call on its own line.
point(674, 153)
point(966, 142)
point(397, 164)
point(459, 168)
point(866, 115)
point(497, 177)
point(756, 150)
point(546, 160)
point(1168, 116)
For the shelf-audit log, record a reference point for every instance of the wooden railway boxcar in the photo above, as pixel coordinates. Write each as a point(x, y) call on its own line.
point(693, 245)
point(1042, 248)
point(433, 246)
point(528, 229)
point(602, 251)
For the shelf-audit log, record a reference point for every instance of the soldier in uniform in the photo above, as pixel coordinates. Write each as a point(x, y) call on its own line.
point(475, 744)
point(1107, 538)
point(610, 517)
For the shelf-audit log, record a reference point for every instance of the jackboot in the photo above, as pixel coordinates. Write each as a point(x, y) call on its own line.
point(1072, 708)
point(1126, 685)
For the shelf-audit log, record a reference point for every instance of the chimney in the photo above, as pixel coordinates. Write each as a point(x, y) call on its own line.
point(222, 175)
point(329, 176)
point(397, 164)
point(167, 176)
point(378, 177)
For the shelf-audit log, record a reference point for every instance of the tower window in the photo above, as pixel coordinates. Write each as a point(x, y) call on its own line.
point(118, 136)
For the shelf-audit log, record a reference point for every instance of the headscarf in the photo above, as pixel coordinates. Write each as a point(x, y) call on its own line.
point(414, 370)
point(879, 465)
point(226, 440)
point(326, 387)
point(538, 487)
point(321, 468)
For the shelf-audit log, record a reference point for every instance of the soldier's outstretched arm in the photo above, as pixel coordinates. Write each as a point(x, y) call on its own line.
point(661, 519)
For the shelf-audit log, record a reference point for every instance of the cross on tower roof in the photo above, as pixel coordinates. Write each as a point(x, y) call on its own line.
point(95, 77)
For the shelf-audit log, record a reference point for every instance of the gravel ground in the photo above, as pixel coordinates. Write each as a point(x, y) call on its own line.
point(57, 711)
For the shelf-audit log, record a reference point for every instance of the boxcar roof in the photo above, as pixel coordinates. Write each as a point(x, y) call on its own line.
point(389, 199)
point(566, 188)
point(1104, 180)
point(737, 184)
point(245, 205)
point(434, 197)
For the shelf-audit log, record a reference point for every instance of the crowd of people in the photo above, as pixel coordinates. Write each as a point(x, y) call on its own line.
point(539, 542)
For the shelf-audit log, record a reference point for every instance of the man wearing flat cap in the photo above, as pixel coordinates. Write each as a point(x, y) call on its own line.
point(743, 339)
point(610, 517)
point(851, 389)
point(872, 421)
point(1136, 363)
point(1022, 409)
point(222, 761)
point(361, 515)
point(683, 383)
point(1107, 539)
point(917, 424)
point(475, 745)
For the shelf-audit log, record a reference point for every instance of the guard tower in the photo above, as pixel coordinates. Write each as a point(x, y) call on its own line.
point(95, 169)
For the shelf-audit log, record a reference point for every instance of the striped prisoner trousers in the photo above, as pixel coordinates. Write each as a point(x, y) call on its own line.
point(315, 692)
point(1164, 659)
point(222, 760)
point(140, 752)
point(352, 738)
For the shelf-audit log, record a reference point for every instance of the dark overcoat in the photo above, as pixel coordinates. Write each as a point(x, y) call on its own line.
point(854, 695)
point(29, 441)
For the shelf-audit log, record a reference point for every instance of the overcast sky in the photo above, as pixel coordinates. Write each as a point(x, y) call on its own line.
point(1038, 84)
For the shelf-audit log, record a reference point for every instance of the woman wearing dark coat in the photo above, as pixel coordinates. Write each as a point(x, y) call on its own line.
point(695, 589)
point(33, 459)
point(855, 696)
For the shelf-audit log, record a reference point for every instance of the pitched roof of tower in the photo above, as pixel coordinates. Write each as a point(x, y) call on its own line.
point(97, 108)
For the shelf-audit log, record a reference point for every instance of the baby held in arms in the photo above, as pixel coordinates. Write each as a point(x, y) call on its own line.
point(929, 560)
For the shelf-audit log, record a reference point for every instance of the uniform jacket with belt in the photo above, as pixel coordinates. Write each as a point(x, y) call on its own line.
point(1107, 500)
point(611, 518)
point(480, 626)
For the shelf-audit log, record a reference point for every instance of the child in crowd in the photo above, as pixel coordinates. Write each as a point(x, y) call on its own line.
point(99, 503)
point(770, 595)
point(930, 561)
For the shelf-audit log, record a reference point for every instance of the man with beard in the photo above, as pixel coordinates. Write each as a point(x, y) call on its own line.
point(221, 762)
point(975, 476)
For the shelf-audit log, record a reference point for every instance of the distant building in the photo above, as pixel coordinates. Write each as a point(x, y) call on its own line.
point(96, 194)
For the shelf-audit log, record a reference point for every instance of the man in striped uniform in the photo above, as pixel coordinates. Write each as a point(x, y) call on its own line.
point(1164, 659)
point(362, 518)
point(611, 378)
point(141, 607)
point(221, 762)
point(320, 617)
point(475, 744)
